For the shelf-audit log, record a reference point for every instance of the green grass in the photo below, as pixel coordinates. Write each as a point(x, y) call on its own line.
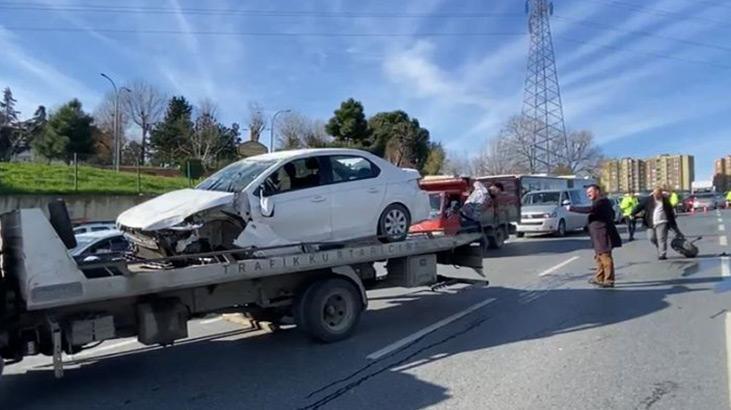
point(24, 178)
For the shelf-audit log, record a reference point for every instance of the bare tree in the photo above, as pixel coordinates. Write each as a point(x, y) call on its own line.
point(257, 122)
point(316, 136)
point(519, 144)
point(291, 128)
point(104, 121)
point(207, 139)
point(144, 105)
point(580, 155)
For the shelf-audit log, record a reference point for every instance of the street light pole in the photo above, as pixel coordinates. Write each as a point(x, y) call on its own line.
point(271, 128)
point(115, 151)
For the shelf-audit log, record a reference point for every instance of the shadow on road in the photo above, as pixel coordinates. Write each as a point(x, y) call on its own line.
point(284, 370)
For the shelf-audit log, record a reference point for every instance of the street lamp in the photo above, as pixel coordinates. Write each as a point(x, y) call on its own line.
point(271, 128)
point(115, 132)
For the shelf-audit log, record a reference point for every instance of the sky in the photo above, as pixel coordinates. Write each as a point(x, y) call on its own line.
point(646, 77)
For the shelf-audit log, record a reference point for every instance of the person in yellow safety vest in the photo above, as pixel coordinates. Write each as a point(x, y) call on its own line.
point(627, 205)
point(674, 200)
point(728, 199)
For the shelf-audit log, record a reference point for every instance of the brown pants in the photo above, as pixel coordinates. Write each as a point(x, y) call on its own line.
point(604, 268)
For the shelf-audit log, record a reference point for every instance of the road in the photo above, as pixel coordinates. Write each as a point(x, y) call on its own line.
point(538, 337)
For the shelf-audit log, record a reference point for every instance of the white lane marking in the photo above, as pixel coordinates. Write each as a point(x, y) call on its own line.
point(725, 266)
point(557, 267)
point(209, 321)
point(723, 241)
point(728, 353)
point(721, 228)
point(425, 331)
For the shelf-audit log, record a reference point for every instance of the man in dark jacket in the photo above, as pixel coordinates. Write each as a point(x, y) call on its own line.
point(604, 235)
point(659, 218)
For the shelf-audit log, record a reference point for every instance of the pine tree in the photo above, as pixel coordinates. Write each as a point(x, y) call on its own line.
point(172, 132)
point(68, 131)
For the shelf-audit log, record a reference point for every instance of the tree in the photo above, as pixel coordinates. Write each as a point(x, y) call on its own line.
point(256, 120)
point(104, 121)
point(520, 144)
point(348, 124)
point(399, 139)
point(11, 130)
point(435, 159)
point(210, 140)
point(316, 136)
point(131, 153)
point(68, 132)
point(144, 105)
point(580, 155)
point(169, 135)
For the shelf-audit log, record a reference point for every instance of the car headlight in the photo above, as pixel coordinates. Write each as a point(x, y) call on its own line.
point(551, 215)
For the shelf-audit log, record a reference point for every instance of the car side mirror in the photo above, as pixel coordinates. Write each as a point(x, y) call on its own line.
point(566, 202)
point(266, 205)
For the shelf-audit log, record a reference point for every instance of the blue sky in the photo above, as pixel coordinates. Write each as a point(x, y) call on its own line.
point(646, 77)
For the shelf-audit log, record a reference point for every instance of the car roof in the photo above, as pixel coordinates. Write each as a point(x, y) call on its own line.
point(297, 153)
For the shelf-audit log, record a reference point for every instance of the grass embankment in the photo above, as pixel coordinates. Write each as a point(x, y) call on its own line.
point(25, 178)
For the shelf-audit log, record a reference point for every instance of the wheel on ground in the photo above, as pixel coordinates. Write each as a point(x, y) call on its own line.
point(329, 309)
point(561, 231)
point(520, 234)
point(497, 239)
point(394, 223)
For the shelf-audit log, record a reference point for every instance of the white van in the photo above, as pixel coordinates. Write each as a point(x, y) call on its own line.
point(545, 212)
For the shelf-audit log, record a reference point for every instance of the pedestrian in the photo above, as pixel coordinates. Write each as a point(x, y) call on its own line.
point(674, 200)
point(728, 199)
point(658, 218)
point(627, 205)
point(604, 235)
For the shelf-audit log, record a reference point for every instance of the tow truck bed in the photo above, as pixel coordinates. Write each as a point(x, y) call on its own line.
point(51, 304)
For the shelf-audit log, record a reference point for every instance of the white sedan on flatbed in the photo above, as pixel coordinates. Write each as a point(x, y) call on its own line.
point(287, 197)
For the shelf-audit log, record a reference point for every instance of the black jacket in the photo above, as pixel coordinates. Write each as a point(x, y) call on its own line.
point(604, 235)
point(648, 207)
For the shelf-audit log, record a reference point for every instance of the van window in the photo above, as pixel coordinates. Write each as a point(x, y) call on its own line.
point(542, 198)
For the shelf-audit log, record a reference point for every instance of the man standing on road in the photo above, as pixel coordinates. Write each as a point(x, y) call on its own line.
point(659, 218)
point(604, 235)
point(627, 205)
point(728, 199)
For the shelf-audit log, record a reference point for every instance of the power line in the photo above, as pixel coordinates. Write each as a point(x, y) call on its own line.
point(88, 8)
point(646, 53)
point(659, 12)
point(643, 33)
point(257, 33)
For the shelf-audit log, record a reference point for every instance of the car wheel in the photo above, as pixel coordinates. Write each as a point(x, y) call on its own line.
point(394, 223)
point(561, 231)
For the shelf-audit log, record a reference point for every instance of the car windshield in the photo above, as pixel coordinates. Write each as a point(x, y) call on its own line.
point(235, 177)
point(541, 198)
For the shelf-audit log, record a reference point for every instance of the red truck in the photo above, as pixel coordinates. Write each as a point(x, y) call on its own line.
point(447, 194)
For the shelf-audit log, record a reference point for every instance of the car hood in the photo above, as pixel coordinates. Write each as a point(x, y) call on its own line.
point(172, 208)
point(538, 209)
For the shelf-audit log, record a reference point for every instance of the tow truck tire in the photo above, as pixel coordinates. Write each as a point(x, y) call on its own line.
point(329, 310)
point(394, 223)
point(497, 239)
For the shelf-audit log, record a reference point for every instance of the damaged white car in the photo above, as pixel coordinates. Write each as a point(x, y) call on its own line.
point(282, 198)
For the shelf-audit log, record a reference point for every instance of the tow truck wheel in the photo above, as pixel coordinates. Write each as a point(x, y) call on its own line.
point(329, 310)
point(497, 239)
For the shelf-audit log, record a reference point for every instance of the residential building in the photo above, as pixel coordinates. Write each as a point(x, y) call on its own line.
point(675, 172)
point(624, 175)
point(722, 174)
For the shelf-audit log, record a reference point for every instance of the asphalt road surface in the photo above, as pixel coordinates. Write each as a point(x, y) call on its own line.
point(538, 337)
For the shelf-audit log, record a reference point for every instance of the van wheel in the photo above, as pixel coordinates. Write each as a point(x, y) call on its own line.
point(561, 231)
point(394, 223)
point(328, 310)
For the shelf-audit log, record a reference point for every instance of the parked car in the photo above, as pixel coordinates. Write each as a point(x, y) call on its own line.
point(93, 227)
point(705, 200)
point(545, 212)
point(282, 198)
point(100, 246)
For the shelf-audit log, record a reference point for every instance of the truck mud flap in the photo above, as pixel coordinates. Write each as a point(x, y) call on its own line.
point(469, 256)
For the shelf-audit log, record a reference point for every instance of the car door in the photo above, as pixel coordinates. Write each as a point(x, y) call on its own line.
point(577, 220)
point(301, 199)
point(358, 195)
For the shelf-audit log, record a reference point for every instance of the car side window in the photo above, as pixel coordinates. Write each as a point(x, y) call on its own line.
point(564, 196)
point(301, 173)
point(351, 168)
point(104, 246)
point(576, 197)
point(99, 228)
point(119, 244)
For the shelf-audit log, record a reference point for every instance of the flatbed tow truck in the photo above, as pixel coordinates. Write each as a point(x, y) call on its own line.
point(50, 304)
